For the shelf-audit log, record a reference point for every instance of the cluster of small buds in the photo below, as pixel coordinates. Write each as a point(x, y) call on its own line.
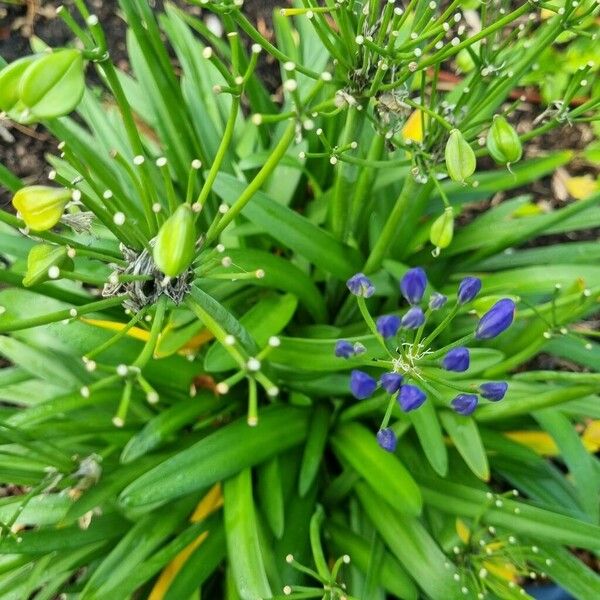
point(407, 378)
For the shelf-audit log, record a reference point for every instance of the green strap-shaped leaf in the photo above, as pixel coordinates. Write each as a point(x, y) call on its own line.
point(220, 455)
point(412, 545)
point(293, 230)
point(383, 471)
point(314, 447)
point(465, 435)
point(244, 551)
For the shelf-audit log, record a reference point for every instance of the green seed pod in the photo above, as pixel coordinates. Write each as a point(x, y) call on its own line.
point(40, 206)
point(45, 262)
point(503, 142)
point(460, 158)
point(442, 230)
point(175, 242)
point(53, 85)
point(10, 81)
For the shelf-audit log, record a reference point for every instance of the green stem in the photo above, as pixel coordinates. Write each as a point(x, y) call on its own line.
point(60, 315)
point(221, 152)
point(390, 229)
point(427, 341)
point(271, 163)
point(150, 346)
point(340, 203)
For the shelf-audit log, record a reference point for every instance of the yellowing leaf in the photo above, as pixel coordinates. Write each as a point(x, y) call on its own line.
point(501, 569)
point(582, 187)
point(413, 128)
point(539, 441)
point(463, 531)
point(135, 332)
point(591, 436)
point(209, 503)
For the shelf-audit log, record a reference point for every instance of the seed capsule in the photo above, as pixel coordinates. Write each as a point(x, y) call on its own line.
point(40, 206)
point(41, 259)
point(442, 229)
point(53, 85)
point(503, 142)
point(460, 158)
point(175, 242)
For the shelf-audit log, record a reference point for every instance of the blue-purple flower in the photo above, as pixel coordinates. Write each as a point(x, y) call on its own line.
point(413, 284)
point(413, 318)
point(362, 385)
point(411, 397)
point(468, 288)
point(361, 285)
point(386, 438)
point(391, 382)
point(344, 349)
point(437, 301)
point(496, 320)
point(456, 360)
point(464, 404)
point(388, 325)
point(493, 390)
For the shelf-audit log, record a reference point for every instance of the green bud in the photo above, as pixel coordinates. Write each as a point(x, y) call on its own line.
point(442, 230)
point(10, 81)
point(503, 142)
point(460, 158)
point(40, 206)
point(175, 243)
point(53, 85)
point(44, 261)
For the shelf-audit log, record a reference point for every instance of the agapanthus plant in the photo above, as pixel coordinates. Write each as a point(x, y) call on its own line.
point(181, 277)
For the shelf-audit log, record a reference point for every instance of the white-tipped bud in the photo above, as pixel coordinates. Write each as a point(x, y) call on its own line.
point(71, 252)
point(53, 272)
point(274, 341)
point(196, 164)
point(52, 175)
point(119, 218)
point(85, 391)
point(289, 559)
point(156, 207)
point(138, 160)
point(76, 195)
point(196, 207)
point(217, 89)
point(223, 208)
point(289, 66)
point(346, 559)
point(222, 388)
point(359, 39)
point(92, 20)
point(226, 261)
point(107, 194)
point(256, 49)
point(253, 364)
point(252, 421)
point(260, 273)
point(207, 52)
point(287, 590)
point(152, 397)
point(290, 85)
point(239, 80)
point(333, 160)
point(73, 312)
point(161, 161)
point(256, 119)
point(90, 365)
point(122, 370)
point(326, 76)
point(220, 248)
point(354, 145)
point(118, 422)
point(229, 340)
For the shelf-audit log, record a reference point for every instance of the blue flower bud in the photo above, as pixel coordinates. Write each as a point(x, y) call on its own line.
point(388, 325)
point(468, 288)
point(344, 349)
point(437, 300)
point(413, 285)
point(413, 318)
point(493, 390)
point(456, 360)
point(496, 320)
point(391, 382)
point(361, 285)
point(411, 397)
point(362, 385)
point(464, 404)
point(386, 438)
